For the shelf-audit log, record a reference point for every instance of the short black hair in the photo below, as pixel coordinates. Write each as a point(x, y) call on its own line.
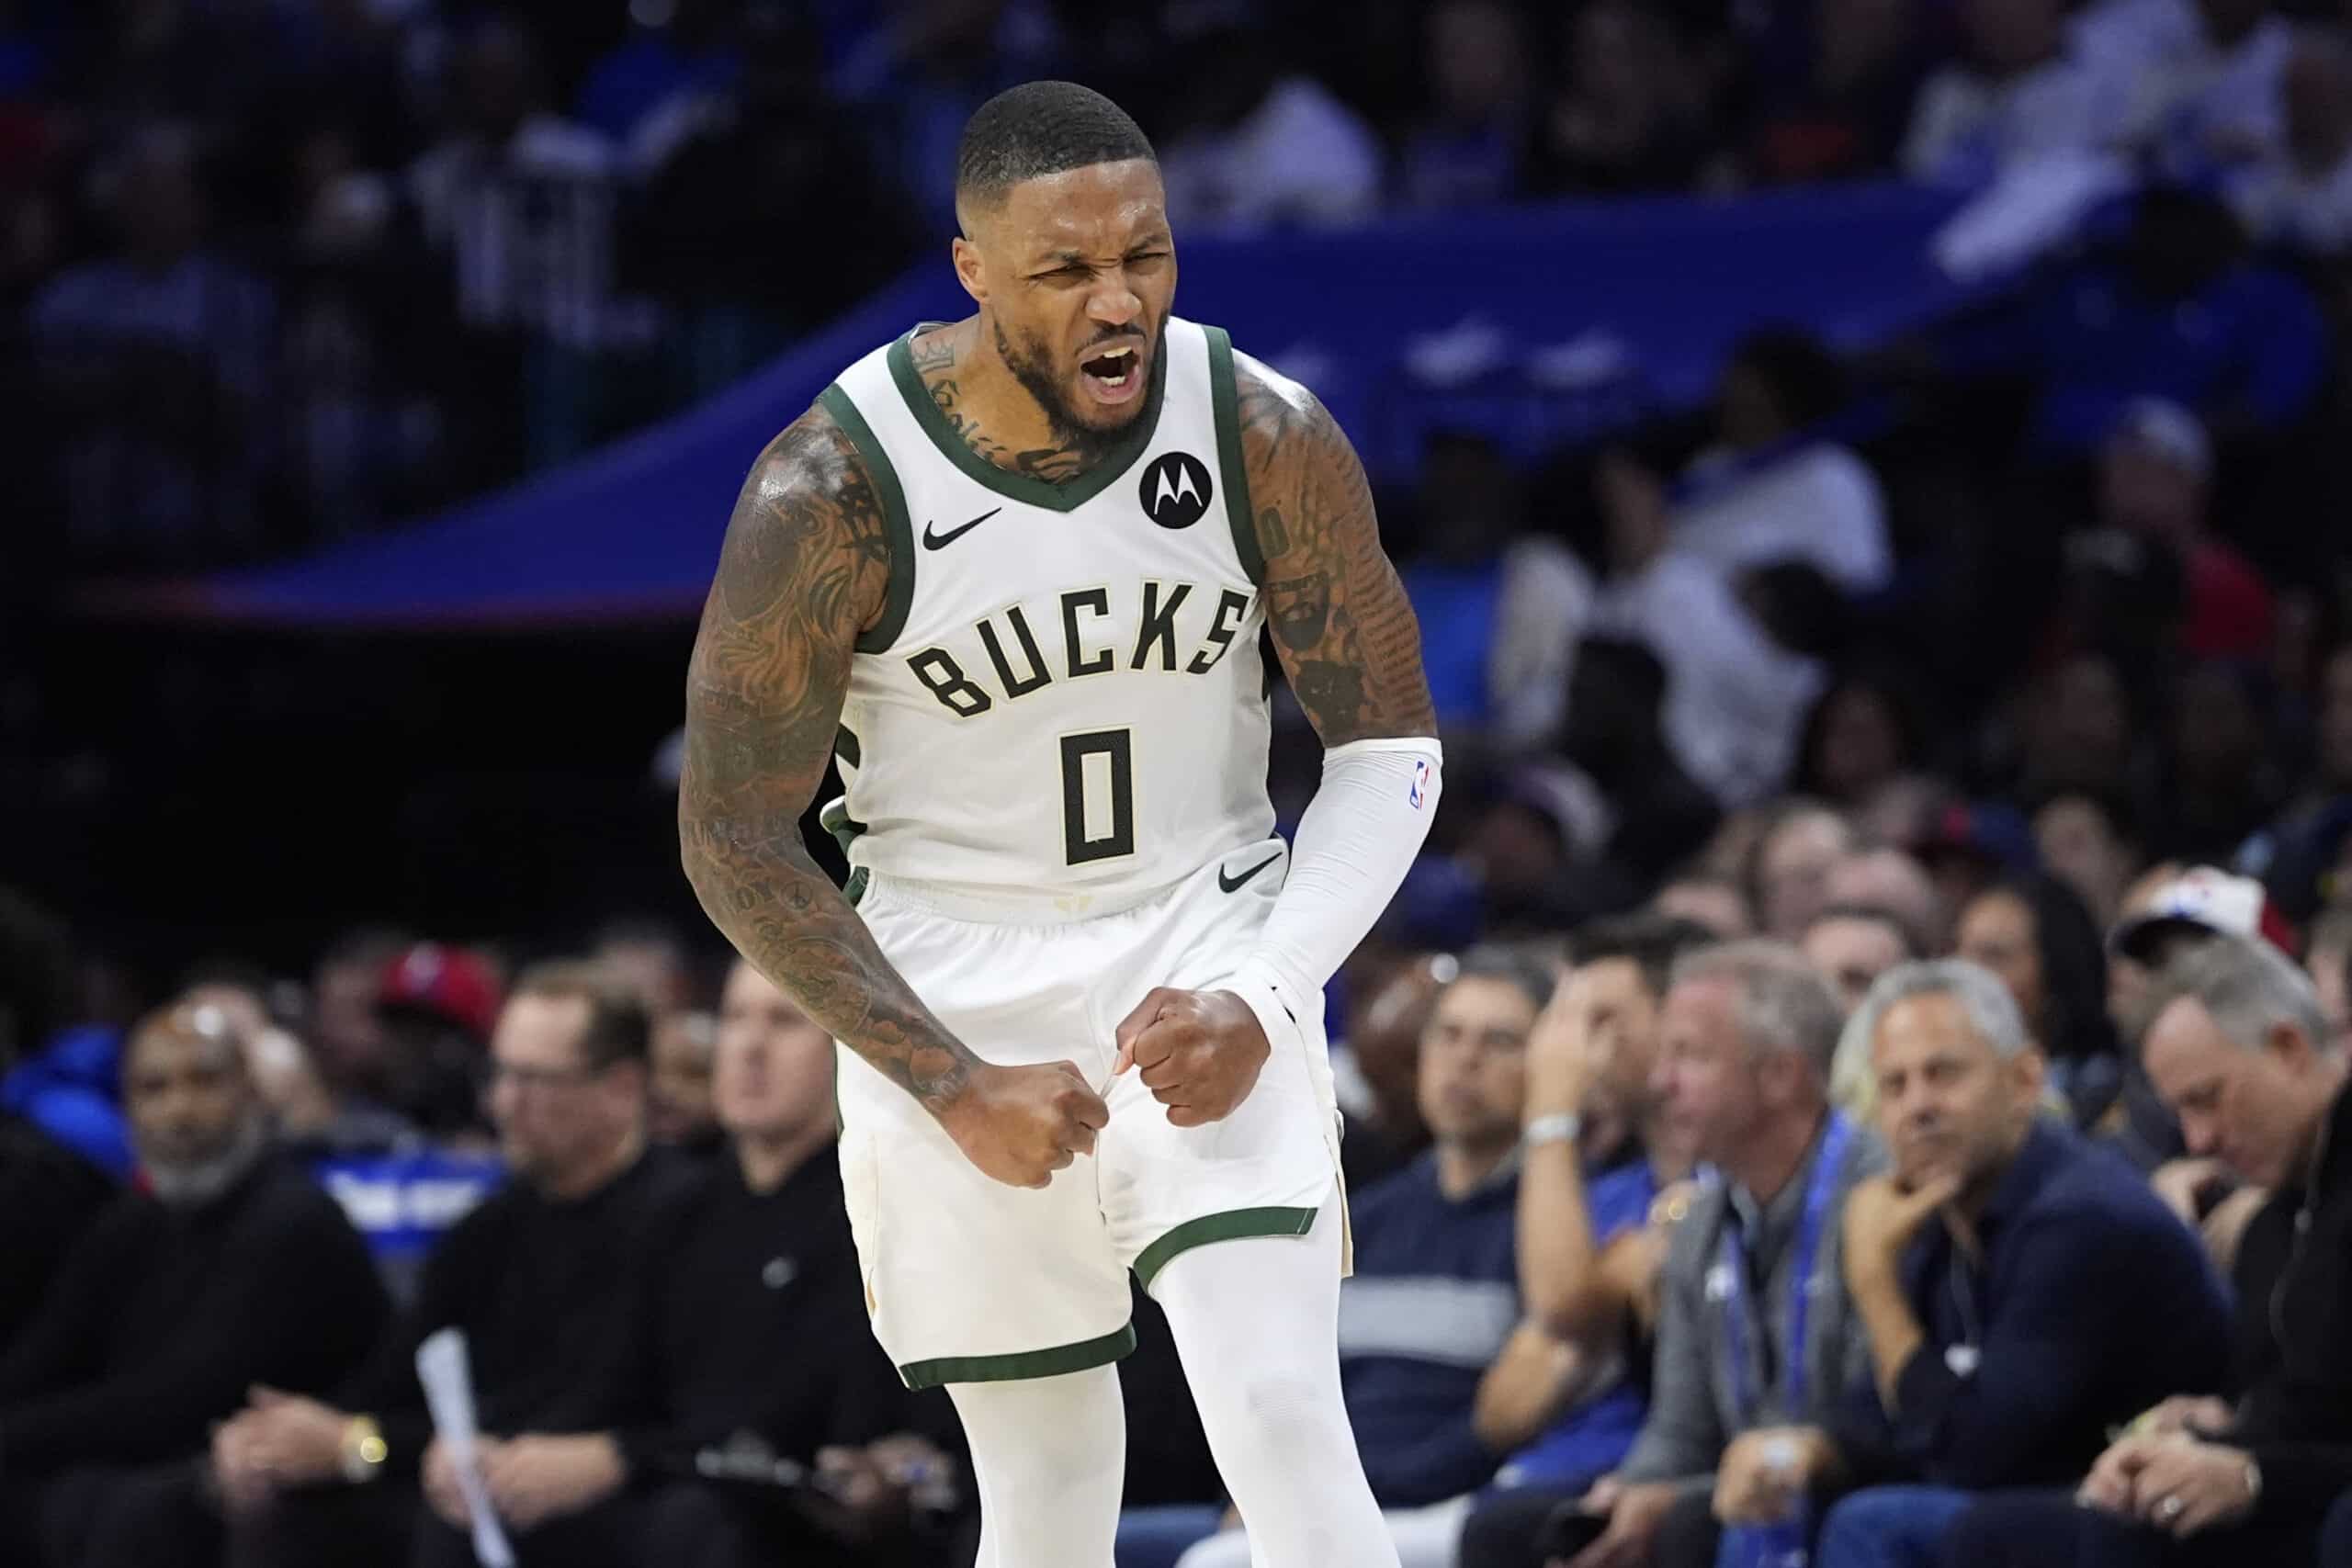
point(1513, 965)
point(1652, 941)
point(1038, 128)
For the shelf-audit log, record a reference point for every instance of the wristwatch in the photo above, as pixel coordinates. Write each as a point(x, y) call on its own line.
point(1560, 1127)
point(363, 1449)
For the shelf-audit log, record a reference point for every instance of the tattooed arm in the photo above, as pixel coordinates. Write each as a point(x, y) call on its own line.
point(805, 566)
point(1343, 628)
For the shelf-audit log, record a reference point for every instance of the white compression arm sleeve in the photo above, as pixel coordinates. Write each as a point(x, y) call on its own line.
point(1356, 841)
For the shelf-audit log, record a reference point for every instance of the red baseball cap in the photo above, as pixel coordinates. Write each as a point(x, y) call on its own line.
point(447, 982)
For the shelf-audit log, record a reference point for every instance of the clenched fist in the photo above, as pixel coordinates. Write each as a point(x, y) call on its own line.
point(1022, 1124)
point(1199, 1052)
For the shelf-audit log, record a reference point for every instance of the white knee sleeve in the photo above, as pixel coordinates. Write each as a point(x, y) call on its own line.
point(1048, 1459)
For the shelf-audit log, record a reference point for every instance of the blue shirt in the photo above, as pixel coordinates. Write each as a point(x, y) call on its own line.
point(2090, 1301)
point(1591, 1439)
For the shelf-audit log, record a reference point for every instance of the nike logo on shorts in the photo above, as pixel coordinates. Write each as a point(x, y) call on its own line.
point(931, 541)
point(1228, 884)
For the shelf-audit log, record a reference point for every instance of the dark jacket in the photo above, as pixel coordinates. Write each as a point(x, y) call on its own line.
point(752, 1320)
point(543, 1290)
point(164, 1317)
point(2295, 1361)
point(2087, 1302)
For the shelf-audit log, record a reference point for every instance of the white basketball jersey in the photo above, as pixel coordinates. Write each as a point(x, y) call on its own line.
point(1065, 697)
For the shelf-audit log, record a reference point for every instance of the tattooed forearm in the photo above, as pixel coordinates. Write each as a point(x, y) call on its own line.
point(1343, 626)
point(805, 566)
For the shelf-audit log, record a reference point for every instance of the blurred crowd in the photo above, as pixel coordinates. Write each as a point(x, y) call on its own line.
point(280, 270)
point(1934, 1202)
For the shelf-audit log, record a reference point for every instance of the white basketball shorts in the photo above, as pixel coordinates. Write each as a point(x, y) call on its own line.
point(970, 1280)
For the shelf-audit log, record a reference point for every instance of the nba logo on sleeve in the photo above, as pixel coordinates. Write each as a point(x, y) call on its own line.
point(1420, 790)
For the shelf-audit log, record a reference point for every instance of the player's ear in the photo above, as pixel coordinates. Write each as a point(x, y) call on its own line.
point(970, 271)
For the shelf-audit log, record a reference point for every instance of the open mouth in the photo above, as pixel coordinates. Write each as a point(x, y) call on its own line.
point(1113, 376)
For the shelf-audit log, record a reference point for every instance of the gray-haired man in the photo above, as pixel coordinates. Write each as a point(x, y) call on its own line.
point(2004, 1272)
point(2241, 1050)
point(1758, 1342)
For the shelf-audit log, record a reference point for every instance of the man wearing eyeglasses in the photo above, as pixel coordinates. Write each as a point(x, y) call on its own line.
point(535, 1277)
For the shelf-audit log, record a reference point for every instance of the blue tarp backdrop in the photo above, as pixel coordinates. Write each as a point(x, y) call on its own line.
point(1537, 323)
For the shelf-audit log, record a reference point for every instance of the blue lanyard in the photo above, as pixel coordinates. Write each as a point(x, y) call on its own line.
point(1819, 1191)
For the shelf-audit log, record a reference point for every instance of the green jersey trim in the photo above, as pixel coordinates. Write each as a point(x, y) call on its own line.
point(1028, 488)
point(900, 533)
point(1223, 401)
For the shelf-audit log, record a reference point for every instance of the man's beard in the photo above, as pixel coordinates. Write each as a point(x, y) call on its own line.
point(1032, 365)
point(189, 1184)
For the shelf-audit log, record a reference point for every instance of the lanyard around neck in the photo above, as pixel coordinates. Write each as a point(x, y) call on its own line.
point(1732, 1268)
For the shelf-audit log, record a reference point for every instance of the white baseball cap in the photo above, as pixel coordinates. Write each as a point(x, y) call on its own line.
point(2204, 898)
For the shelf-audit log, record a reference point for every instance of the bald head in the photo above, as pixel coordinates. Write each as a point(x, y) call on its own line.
point(194, 1118)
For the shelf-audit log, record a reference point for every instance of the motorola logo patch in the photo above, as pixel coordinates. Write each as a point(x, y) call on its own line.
point(1175, 490)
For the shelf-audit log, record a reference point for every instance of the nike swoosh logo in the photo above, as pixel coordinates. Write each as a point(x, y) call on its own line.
point(1228, 884)
point(931, 541)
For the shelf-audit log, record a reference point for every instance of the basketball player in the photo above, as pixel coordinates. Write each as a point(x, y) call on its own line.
point(1011, 571)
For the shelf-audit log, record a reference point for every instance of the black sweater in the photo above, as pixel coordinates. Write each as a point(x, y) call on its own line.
point(162, 1317)
point(49, 1199)
point(752, 1320)
point(542, 1288)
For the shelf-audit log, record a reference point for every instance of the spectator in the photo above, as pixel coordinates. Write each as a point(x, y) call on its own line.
point(1756, 1332)
point(1864, 733)
point(2033, 934)
point(1614, 735)
point(1378, 1071)
point(678, 1110)
point(2238, 1048)
point(1717, 904)
point(757, 1261)
point(1268, 145)
point(1789, 872)
point(1778, 485)
point(2219, 786)
point(49, 1197)
point(637, 97)
point(2017, 94)
point(2154, 473)
point(156, 359)
point(228, 1272)
point(539, 1278)
point(437, 1004)
point(719, 228)
point(1434, 1293)
point(1466, 151)
point(2298, 195)
point(1844, 116)
point(520, 205)
point(2178, 312)
point(1588, 1250)
point(1627, 117)
point(1501, 608)
point(2002, 1346)
point(2087, 840)
point(1895, 885)
point(1852, 945)
point(649, 958)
